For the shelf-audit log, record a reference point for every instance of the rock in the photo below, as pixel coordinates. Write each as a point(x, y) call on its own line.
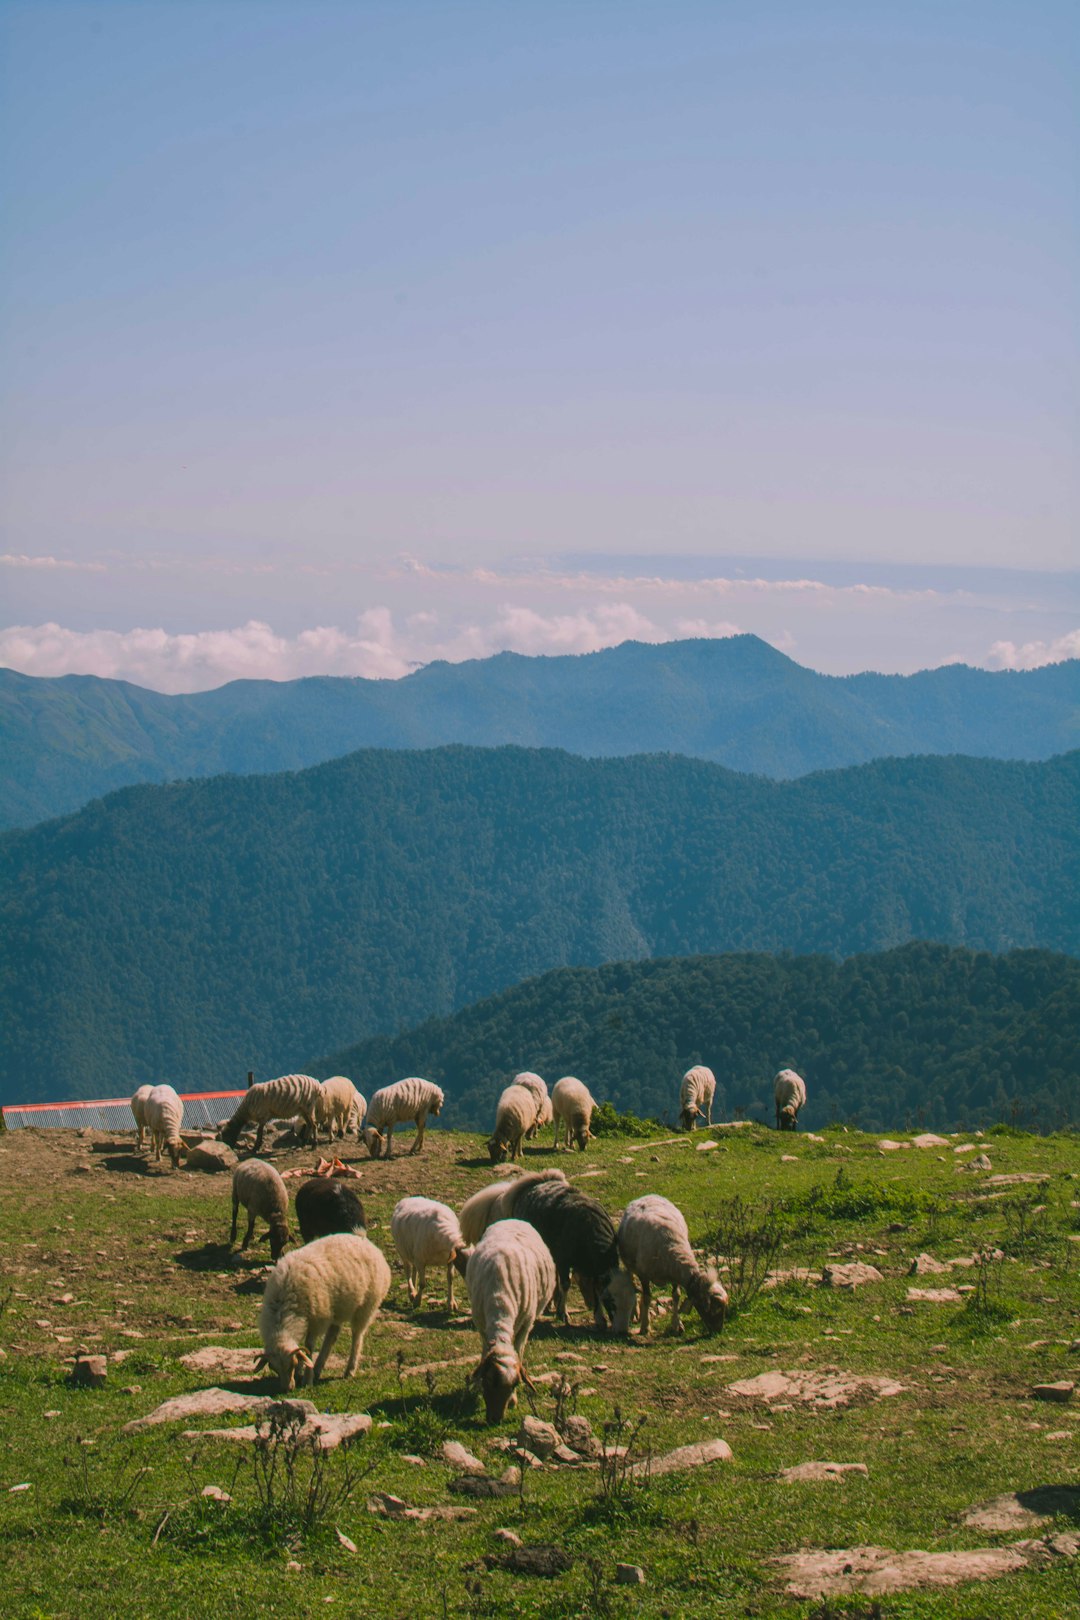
point(829, 1390)
point(203, 1403)
point(924, 1264)
point(211, 1156)
point(527, 1459)
point(577, 1432)
point(888, 1146)
point(1062, 1391)
point(473, 1485)
point(90, 1372)
point(1023, 1510)
point(509, 1538)
point(569, 1358)
point(785, 1158)
point(875, 1570)
point(821, 1470)
point(693, 1456)
point(225, 1360)
point(703, 1147)
point(629, 1575)
point(537, 1436)
point(292, 1567)
point(935, 1296)
point(1019, 1178)
point(536, 1560)
point(460, 1457)
point(855, 1275)
point(981, 1163)
point(84, 1169)
point(215, 1493)
point(565, 1457)
point(929, 1140)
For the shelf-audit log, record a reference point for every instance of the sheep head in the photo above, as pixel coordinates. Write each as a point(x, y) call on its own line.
point(709, 1298)
point(497, 1150)
point(286, 1364)
point(618, 1300)
point(373, 1141)
point(279, 1236)
point(497, 1376)
point(788, 1117)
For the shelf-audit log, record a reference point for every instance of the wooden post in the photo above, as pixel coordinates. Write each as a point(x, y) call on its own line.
point(251, 1079)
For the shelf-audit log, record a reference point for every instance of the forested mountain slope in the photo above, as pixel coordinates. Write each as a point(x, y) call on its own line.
point(924, 1033)
point(195, 931)
point(738, 702)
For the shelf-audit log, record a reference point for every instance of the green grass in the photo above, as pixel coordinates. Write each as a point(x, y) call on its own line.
point(148, 1253)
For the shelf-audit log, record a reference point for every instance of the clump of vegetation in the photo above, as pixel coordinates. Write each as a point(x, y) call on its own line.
point(104, 1486)
point(987, 1309)
point(607, 1121)
point(850, 1200)
point(744, 1243)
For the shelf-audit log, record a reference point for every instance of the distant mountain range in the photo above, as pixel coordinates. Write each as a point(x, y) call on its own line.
point(194, 931)
point(737, 702)
point(922, 1035)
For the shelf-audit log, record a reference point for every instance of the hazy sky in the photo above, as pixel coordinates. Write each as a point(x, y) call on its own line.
point(341, 336)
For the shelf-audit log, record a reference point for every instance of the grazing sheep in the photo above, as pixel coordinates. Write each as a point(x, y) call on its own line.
point(532, 1082)
point(510, 1277)
point(313, 1293)
point(260, 1189)
point(789, 1090)
point(655, 1247)
point(282, 1098)
point(581, 1236)
point(138, 1108)
point(427, 1234)
point(515, 1117)
point(324, 1205)
point(407, 1099)
point(572, 1107)
point(696, 1096)
point(341, 1108)
point(490, 1204)
point(164, 1113)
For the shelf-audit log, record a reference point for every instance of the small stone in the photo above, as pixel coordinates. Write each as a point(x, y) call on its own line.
point(509, 1538)
point(935, 1296)
point(928, 1140)
point(417, 1462)
point(13, 1490)
point(570, 1358)
point(629, 1575)
point(461, 1458)
point(52, 1414)
point(577, 1432)
point(349, 1545)
point(90, 1372)
point(537, 1436)
point(292, 1567)
point(924, 1264)
point(821, 1470)
point(212, 1156)
point(216, 1494)
point(565, 1457)
point(1062, 1391)
point(855, 1275)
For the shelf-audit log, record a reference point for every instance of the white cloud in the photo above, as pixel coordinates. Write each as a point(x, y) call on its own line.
point(1033, 654)
point(378, 647)
point(9, 559)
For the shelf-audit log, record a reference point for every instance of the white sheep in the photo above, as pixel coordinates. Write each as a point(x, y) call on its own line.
point(572, 1108)
point(313, 1293)
point(696, 1096)
point(654, 1243)
point(138, 1108)
point(538, 1087)
point(264, 1195)
point(288, 1095)
point(164, 1112)
point(511, 1279)
point(427, 1234)
point(490, 1204)
point(515, 1117)
point(789, 1092)
point(410, 1099)
point(341, 1108)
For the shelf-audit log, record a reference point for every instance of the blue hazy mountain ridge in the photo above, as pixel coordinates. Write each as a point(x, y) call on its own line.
point(737, 702)
point(924, 1033)
point(193, 931)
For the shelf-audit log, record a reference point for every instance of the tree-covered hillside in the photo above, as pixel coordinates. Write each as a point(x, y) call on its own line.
point(737, 702)
point(921, 1034)
point(192, 932)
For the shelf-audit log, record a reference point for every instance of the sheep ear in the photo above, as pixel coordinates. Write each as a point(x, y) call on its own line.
point(525, 1379)
point(263, 1361)
point(300, 1358)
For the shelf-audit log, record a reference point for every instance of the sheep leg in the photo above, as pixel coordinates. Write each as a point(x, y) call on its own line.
point(259, 1137)
point(250, 1233)
point(421, 1273)
point(676, 1319)
point(360, 1324)
point(235, 1216)
point(562, 1288)
point(710, 1111)
point(315, 1373)
point(643, 1307)
point(450, 1286)
point(418, 1144)
point(388, 1139)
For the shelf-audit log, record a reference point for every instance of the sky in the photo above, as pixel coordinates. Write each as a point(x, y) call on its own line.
point(336, 337)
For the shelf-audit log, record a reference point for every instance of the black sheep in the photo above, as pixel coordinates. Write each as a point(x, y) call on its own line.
point(581, 1236)
point(324, 1205)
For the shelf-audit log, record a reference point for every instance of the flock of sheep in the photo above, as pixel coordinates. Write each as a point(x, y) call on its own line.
point(517, 1243)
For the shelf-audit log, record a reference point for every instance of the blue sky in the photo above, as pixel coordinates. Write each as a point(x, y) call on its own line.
point(342, 336)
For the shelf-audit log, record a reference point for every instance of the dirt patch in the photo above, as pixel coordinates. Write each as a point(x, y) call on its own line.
point(1024, 1510)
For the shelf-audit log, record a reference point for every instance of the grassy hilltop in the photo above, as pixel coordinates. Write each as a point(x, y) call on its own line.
point(104, 1252)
